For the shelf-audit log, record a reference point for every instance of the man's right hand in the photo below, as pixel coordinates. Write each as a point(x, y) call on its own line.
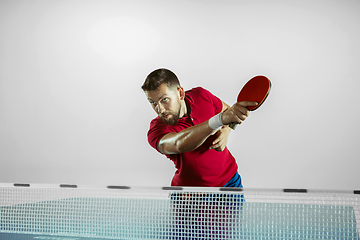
point(237, 113)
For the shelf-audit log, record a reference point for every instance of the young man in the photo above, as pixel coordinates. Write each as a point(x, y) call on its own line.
point(191, 129)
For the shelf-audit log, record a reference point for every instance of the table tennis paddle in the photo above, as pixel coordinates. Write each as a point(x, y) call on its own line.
point(256, 89)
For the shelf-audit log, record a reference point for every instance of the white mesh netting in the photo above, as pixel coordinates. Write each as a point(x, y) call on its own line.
point(183, 213)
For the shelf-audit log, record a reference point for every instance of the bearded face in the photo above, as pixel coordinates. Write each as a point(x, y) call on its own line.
point(166, 103)
point(170, 117)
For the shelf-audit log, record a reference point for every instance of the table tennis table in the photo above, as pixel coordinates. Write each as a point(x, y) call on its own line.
point(69, 212)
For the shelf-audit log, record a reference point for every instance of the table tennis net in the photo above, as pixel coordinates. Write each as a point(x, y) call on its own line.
point(179, 213)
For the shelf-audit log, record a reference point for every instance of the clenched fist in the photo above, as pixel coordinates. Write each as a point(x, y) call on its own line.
point(237, 113)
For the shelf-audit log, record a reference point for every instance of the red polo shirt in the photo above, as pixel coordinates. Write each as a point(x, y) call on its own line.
point(202, 166)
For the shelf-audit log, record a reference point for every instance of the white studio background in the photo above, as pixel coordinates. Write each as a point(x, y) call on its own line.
point(72, 110)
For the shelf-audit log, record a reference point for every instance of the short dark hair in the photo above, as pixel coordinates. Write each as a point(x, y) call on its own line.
point(159, 77)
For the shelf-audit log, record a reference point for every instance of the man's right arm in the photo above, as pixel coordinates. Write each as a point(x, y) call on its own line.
point(193, 137)
point(185, 140)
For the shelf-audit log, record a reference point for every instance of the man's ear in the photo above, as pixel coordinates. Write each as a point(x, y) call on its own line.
point(181, 92)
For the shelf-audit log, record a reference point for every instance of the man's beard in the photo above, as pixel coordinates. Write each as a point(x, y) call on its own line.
point(171, 121)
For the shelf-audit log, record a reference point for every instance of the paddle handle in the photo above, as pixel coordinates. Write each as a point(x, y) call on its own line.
point(233, 125)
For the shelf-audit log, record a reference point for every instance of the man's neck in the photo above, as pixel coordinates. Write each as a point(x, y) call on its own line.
point(187, 109)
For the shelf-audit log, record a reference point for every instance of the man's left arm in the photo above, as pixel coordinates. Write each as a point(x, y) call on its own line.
point(222, 134)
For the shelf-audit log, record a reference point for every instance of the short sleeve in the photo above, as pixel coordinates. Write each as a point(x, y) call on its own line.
point(157, 130)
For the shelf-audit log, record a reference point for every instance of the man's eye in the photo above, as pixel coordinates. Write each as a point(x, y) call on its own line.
point(165, 99)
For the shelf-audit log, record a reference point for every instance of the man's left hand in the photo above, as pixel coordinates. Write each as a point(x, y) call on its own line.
point(220, 142)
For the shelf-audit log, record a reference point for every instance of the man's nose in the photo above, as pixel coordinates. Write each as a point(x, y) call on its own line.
point(160, 108)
